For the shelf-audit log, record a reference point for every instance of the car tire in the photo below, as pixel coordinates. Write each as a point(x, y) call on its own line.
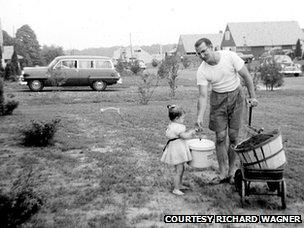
point(99, 85)
point(35, 85)
point(296, 75)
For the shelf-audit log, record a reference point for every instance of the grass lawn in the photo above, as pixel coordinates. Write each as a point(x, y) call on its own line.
point(104, 169)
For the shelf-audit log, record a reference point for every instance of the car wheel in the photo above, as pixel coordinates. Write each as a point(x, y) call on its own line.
point(296, 74)
point(99, 85)
point(35, 85)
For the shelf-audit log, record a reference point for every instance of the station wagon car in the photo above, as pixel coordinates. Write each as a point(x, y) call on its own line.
point(95, 71)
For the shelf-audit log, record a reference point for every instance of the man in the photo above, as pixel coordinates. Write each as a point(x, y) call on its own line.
point(221, 70)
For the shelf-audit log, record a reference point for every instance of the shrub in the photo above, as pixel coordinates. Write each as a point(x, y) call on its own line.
point(135, 67)
point(146, 87)
point(169, 70)
point(1, 97)
point(20, 203)
point(8, 70)
point(9, 107)
point(185, 61)
point(40, 133)
point(154, 62)
point(270, 74)
point(13, 78)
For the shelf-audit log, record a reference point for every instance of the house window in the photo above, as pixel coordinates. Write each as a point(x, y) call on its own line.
point(227, 35)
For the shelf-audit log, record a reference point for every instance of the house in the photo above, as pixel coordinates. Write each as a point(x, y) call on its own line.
point(186, 43)
point(7, 54)
point(258, 37)
point(128, 53)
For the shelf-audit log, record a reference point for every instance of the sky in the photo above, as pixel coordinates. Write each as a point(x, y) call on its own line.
point(74, 24)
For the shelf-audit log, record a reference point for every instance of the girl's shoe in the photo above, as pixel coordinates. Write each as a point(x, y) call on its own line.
point(178, 192)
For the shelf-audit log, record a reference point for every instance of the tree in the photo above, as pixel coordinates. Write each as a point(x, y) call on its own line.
point(28, 46)
point(7, 39)
point(298, 51)
point(169, 70)
point(270, 74)
point(48, 53)
point(15, 64)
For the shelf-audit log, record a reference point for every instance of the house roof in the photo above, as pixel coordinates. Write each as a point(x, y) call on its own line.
point(189, 40)
point(265, 33)
point(8, 52)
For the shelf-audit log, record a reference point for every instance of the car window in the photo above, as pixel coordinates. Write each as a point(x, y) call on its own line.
point(67, 64)
point(86, 64)
point(282, 59)
point(100, 63)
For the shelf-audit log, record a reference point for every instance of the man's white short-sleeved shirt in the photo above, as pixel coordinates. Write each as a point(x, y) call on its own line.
point(223, 76)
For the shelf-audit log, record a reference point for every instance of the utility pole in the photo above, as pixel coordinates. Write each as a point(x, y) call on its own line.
point(131, 48)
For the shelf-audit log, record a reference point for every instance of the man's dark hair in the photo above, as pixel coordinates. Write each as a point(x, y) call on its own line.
point(203, 40)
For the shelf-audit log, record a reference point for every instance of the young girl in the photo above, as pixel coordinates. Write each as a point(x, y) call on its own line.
point(176, 152)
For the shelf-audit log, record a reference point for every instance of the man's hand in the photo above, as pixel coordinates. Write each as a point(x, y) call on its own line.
point(253, 102)
point(199, 124)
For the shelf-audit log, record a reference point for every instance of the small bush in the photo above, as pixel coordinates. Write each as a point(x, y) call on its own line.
point(154, 62)
point(145, 88)
point(40, 133)
point(9, 107)
point(169, 70)
point(20, 203)
point(270, 74)
point(135, 67)
point(13, 78)
point(1, 97)
point(185, 61)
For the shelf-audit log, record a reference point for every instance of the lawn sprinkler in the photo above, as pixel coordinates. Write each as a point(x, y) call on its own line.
point(113, 108)
point(102, 110)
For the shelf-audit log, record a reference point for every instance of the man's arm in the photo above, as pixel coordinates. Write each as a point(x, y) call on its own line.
point(244, 73)
point(201, 104)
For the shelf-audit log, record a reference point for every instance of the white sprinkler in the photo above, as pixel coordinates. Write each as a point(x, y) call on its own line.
point(104, 109)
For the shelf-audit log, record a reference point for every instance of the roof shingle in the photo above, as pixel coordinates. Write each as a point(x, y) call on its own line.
point(266, 33)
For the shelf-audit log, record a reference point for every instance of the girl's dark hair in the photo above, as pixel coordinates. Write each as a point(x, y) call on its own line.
point(175, 112)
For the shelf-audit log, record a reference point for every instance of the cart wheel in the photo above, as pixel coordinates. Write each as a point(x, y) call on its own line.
point(238, 177)
point(243, 192)
point(283, 194)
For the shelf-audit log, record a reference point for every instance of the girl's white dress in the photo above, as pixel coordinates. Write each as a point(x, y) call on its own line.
point(176, 151)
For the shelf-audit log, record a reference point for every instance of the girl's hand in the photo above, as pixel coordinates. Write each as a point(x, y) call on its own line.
point(186, 166)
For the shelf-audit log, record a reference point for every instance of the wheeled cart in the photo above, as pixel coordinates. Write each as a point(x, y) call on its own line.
point(272, 177)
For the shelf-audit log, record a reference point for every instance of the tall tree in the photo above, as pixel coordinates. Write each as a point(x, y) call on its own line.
point(7, 39)
point(48, 53)
point(28, 46)
point(298, 51)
